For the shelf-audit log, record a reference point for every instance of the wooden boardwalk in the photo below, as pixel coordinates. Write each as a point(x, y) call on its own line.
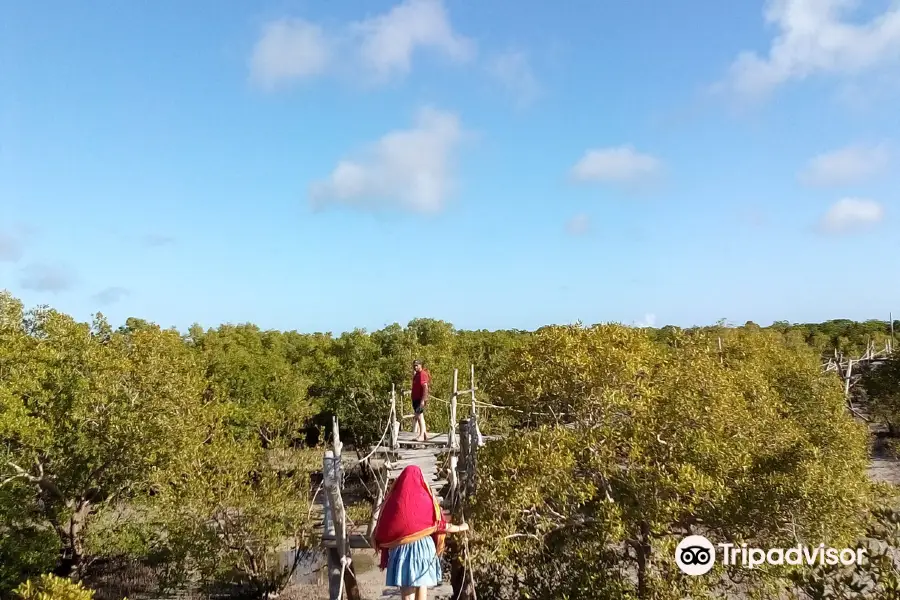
point(427, 456)
point(447, 461)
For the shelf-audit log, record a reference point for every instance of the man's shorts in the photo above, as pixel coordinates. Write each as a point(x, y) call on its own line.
point(418, 407)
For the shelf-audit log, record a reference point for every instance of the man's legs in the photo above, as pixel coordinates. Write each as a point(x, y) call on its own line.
point(417, 407)
point(422, 593)
point(423, 431)
point(419, 421)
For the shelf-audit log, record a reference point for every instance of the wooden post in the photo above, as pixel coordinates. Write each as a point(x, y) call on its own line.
point(847, 379)
point(460, 579)
point(453, 478)
point(376, 511)
point(451, 436)
point(333, 481)
point(480, 441)
point(472, 388)
point(327, 467)
point(473, 456)
point(464, 450)
point(395, 422)
point(465, 456)
point(334, 559)
point(338, 445)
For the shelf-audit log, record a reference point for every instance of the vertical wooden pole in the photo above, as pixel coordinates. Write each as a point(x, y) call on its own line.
point(462, 466)
point(327, 467)
point(376, 512)
point(847, 379)
point(472, 387)
point(334, 560)
point(473, 456)
point(480, 441)
point(453, 478)
point(338, 446)
point(395, 422)
point(333, 481)
point(460, 582)
point(891, 317)
point(451, 435)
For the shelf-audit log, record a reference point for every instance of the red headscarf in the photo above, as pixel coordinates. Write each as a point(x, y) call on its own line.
point(409, 513)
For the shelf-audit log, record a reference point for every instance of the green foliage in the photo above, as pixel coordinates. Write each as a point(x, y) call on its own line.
point(51, 587)
point(882, 387)
point(26, 548)
point(748, 444)
point(230, 506)
point(86, 415)
point(841, 335)
point(249, 371)
point(184, 451)
point(879, 577)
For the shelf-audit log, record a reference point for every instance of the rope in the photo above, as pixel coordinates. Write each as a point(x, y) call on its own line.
point(482, 404)
point(313, 501)
point(378, 445)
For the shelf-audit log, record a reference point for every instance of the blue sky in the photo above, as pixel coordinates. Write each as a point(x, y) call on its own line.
point(323, 166)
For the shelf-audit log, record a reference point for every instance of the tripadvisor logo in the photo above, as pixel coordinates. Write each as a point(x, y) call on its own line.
point(696, 555)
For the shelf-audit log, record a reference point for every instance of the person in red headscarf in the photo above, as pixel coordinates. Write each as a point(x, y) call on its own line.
point(410, 535)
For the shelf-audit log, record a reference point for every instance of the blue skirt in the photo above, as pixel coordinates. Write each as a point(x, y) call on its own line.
point(415, 564)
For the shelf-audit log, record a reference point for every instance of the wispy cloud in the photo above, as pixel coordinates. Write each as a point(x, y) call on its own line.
point(411, 168)
point(851, 215)
point(815, 37)
point(381, 47)
point(110, 295)
point(622, 164)
point(287, 50)
point(388, 41)
point(41, 277)
point(513, 72)
point(578, 225)
point(848, 165)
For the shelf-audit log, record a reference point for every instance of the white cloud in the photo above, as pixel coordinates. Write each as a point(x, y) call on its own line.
point(622, 164)
point(649, 321)
point(578, 225)
point(47, 278)
point(513, 71)
point(411, 168)
point(851, 215)
point(387, 42)
point(851, 164)
point(110, 295)
point(289, 49)
point(816, 37)
point(380, 47)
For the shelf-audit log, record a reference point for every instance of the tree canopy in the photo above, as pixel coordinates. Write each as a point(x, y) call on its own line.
point(196, 449)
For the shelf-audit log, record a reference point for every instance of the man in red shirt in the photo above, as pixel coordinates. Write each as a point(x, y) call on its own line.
point(420, 388)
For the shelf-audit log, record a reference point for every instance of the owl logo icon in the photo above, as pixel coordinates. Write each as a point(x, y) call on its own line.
point(695, 555)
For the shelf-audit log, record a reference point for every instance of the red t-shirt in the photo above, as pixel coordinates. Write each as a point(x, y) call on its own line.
point(418, 383)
